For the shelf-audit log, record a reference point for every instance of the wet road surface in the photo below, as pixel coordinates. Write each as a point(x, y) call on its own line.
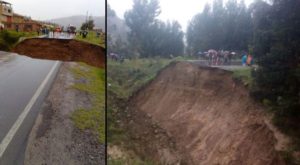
point(24, 83)
point(237, 64)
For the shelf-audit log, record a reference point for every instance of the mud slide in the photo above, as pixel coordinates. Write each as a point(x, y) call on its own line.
point(210, 117)
point(63, 50)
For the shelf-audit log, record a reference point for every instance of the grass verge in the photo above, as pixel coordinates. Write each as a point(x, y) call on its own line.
point(243, 75)
point(9, 38)
point(92, 38)
point(123, 80)
point(94, 84)
point(126, 78)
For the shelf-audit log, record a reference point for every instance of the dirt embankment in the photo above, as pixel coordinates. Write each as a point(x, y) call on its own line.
point(63, 50)
point(209, 118)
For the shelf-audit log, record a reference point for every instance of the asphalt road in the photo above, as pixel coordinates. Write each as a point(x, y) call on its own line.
point(24, 83)
point(237, 64)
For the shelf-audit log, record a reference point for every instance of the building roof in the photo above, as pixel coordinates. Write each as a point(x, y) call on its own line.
point(3, 2)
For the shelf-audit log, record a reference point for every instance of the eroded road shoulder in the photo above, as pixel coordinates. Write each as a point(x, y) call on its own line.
point(54, 139)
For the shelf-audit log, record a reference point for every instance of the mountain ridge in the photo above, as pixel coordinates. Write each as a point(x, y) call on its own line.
point(77, 21)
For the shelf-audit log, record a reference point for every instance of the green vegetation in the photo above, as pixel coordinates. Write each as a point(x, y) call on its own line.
point(90, 24)
point(276, 45)
point(126, 78)
point(92, 38)
point(268, 29)
point(222, 25)
point(28, 34)
point(123, 80)
point(150, 36)
point(244, 75)
point(9, 38)
point(94, 84)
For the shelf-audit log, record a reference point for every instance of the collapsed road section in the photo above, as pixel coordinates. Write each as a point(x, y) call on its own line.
point(63, 50)
point(208, 115)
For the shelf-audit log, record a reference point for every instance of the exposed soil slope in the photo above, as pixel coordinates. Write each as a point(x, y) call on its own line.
point(63, 50)
point(210, 117)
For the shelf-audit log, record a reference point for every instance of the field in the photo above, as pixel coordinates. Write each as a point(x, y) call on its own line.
point(92, 38)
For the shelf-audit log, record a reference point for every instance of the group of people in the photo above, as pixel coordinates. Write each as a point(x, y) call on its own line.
point(116, 57)
point(219, 57)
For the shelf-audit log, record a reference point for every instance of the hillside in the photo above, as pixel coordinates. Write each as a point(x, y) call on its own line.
point(78, 20)
point(197, 115)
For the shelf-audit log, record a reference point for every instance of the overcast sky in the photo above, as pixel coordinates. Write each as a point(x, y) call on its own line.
point(180, 10)
point(48, 9)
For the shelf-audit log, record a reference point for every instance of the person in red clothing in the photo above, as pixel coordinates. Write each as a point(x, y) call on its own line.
point(249, 60)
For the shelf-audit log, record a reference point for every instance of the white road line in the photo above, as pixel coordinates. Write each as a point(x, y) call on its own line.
point(13, 130)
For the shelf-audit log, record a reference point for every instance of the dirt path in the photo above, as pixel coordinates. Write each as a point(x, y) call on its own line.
point(54, 139)
point(210, 118)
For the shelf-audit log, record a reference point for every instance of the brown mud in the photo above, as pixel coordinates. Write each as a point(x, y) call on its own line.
point(63, 50)
point(196, 115)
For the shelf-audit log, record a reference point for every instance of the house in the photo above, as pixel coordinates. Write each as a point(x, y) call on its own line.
point(13, 21)
point(23, 23)
point(6, 13)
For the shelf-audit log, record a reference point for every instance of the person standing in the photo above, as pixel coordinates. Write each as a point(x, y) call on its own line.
point(244, 60)
point(249, 60)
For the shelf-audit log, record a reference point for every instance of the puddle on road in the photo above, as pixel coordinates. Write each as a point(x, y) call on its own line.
point(62, 50)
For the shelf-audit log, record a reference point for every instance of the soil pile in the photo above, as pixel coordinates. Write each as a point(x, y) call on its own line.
point(210, 117)
point(63, 50)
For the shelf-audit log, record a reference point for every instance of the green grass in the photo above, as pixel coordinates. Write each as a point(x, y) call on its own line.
point(9, 38)
point(29, 34)
point(128, 77)
point(244, 75)
point(92, 38)
point(93, 118)
point(123, 80)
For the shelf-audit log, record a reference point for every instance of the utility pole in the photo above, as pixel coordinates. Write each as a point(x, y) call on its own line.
point(86, 20)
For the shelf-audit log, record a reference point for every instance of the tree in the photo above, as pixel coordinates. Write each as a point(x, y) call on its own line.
point(110, 12)
point(198, 32)
point(150, 36)
point(141, 19)
point(277, 49)
point(221, 26)
point(89, 25)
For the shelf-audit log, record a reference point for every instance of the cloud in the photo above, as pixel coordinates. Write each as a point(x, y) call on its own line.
point(48, 9)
